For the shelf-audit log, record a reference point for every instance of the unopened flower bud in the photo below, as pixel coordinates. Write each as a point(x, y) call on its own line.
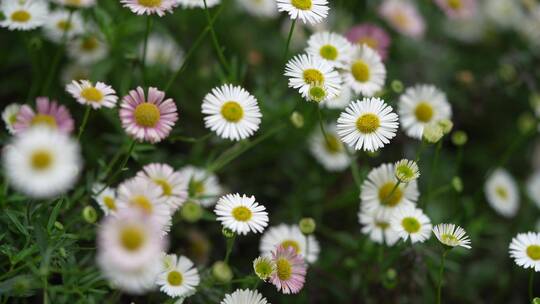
point(459, 138)
point(433, 132)
point(90, 214)
point(222, 272)
point(307, 225)
point(191, 212)
point(297, 120)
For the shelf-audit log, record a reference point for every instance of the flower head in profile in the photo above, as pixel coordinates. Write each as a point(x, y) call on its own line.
point(452, 235)
point(525, 250)
point(502, 193)
point(309, 11)
point(406, 170)
point(48, 114)
point(9, 116)
point(306, 72)
point(370, 35)
point(24, 15)
point(96, 96)
point(241, 214)
point(244, 296)
point(411, 222)
point(150, 7)
point(264, 267)
point(148, 118)
point(365, 72)
point(290, 274)
point(105, 197)
point(404, 17)
point(179, 277)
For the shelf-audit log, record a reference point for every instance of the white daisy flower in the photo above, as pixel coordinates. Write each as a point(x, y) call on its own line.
point(502, 193)
point(421, 105)
point(9, 116)
point(179, 277)
point(163, 51)
point(305, 71)
point(368, 124)
point(452, 235)
point(309, 11)
point(198, 3)
point(289, 236)
point(407, 170)
point(260, 8)
point(365, 72)
point(127, 246)
point(525, 249)
point(42, 162)
point(533, 188)
point(376, 224)
point(87, 49)
point(139, 193)
point(231, 112)
point(174, 185)
point(411, 222)
point(505, 14)
point(331, 48)
point(203, 186)
point(76, 3)
point(404, 17)
point(24, 15)
point(96, 96)
point(58, 23)
point(341, 100)
point(105, 197)
point(150, 7)
point(376, 192)
point(330, 151)
point(241, 214)
point(244, 296)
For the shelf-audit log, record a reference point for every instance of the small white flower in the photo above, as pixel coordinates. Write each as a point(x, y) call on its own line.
point(241, 214)
point(411, 222)
point(150, 7)
point(502, 193)
point(58, 23)
point(452, 235)
point(260, 8)
point(289, 236)
point(87, 49)
point(309, 11)
point(9, 116)
point(179, 277)
point(174, 185)
point(406, 170)
point(404, 17)
point(365, 72)
point(231, 112)
point(96, 96)
point(42, 162)
point(24, 15)
point(368, 124)
point(329, 151)
point(305, 71)
point(376, 224)
point(533, 188)
point(525, 249)
point(163, 51)
point(105, 197)
point(244, 296)
point(330, 47)
point(197, 3)
point(203, 186)
point(421, 105)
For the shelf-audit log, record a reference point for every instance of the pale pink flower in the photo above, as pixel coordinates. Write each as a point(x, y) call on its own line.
point(290, 274)
point(371, 35)
point(458, 8)
point(49, 113)
point(404, 17)
point(149, 7)
point(149, 119)
point(173, 184)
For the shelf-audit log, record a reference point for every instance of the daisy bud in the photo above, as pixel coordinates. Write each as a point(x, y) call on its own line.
point(317, 93)
point(432, 133)
point(297, 120)
point(536, 301)
point(307, 225)
point(457, 184)
point(406, 171)
point(446, 125)
point(397, 86)
point(222, 272)
point(526, 123)
point(58, 225)
point(459, 138)
point(228, 233)
point(264, 267)
point(191, 212)
point(89, 214)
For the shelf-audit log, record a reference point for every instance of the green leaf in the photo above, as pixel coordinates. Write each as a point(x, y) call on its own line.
point(13, 217)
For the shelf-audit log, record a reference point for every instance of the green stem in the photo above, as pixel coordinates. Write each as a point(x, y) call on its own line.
point(293, 24)
point(434, 164)
point(215, 41)
point(230, 245)
point(531, 281)
point(85, 120)
point(419, 151)
point(441, 272)
point(145, 47)
point(354, 169)
point(57, 56)
point(189, 139)
point(123, 163)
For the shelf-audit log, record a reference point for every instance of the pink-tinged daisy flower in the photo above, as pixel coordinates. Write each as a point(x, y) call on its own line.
point(49, 113)
point(174, 185)
point(290, 274)
point(371, 35)
point(149, 119)
point(96, 96)
point(149, 7)
point(404, 17)
point(458, 8)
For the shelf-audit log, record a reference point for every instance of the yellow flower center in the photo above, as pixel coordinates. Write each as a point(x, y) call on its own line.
point(165, 186)
point(142, 202)
point(533, 251)
point(132, 238)
point(302, 4)
point(454, 4)
point(404, 171)
point(317, 93)
point(175, 278)
point(147, 115)
point(92, 94)
point(291, 243)
point(41, 160)
point(329, 52)
point(73, 2)
point(449, 239)
point(150, 3)
point(502, 192)
point(368, 123)
point(390, 200)
point(263, 268)
point(360, 71)
point(242, 214)
point(196, 188)
point(44, 119)
point(313, 76)
point(89, 44)
point(232, 111)
point(410, 224)
point(332, 144)
point(423, 112)
point(283, 269)
point(21, 16)
point(109, 202)
point(13, 118)
point(369, 41)
point(64, 25)
point(400, 20)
